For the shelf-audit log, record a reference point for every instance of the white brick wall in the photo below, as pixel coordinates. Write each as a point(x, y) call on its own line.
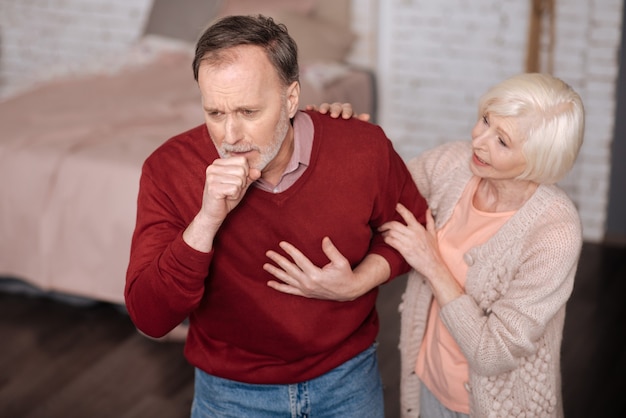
point(365, 26)
point(436, 58)
point(42, 39)
point(433, 60)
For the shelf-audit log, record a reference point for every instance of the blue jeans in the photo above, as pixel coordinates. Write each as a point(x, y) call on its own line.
point(353, 389)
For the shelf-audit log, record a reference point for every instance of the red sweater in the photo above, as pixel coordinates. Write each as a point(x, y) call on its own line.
point(240, 328)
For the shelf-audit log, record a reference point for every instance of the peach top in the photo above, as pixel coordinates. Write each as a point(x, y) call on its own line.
point(441, 365)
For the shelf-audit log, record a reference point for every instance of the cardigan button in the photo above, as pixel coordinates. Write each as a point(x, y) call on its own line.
point(469, 260)
point(467, 387)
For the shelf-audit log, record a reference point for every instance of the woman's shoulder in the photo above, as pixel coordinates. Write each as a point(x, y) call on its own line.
point(449, 153)
point(550, 198)
point(442, 172)
point(553, 214)
point(440, 161)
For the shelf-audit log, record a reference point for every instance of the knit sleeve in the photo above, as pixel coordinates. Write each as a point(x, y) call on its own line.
point(432, 167)
point(165, 277)
point(394, 185)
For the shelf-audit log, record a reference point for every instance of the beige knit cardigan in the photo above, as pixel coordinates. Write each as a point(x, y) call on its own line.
point(509, 324)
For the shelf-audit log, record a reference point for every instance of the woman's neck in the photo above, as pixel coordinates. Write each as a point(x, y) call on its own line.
point(502, 195)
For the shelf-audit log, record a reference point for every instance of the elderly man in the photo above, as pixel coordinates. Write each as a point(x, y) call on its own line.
point(253, 224)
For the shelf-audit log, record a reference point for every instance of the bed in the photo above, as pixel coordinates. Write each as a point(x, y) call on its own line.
point(71, 149)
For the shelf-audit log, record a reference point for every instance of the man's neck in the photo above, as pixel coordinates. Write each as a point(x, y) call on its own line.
point(275, 170)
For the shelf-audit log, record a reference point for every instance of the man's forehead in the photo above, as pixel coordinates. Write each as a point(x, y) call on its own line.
point(228, 56)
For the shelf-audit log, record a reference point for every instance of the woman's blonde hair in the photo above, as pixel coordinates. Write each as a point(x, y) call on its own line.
point(552, 115)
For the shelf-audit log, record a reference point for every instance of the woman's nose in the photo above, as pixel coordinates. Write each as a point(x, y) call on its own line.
point(480, 135)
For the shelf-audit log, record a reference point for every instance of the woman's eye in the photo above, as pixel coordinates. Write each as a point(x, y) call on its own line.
point(485, 121)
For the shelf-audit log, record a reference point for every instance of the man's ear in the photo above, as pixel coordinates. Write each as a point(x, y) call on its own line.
point(293, 98)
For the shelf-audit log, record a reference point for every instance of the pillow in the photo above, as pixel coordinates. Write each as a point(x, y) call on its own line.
point(317, 36)
point(335, 11)
point(252, 7)
point(317, 39)
point(182, 20)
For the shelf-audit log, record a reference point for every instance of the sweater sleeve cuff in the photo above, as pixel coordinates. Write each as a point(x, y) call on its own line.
point(459, 316)
point(192, 261)
point(397, 264)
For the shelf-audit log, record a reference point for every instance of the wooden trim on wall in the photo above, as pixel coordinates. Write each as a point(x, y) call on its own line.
point(540, 11)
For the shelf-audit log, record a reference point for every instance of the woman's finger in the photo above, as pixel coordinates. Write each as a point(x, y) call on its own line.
point(430, 223)
point(407, 215)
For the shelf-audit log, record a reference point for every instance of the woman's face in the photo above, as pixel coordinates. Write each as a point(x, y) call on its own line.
point(497, 144)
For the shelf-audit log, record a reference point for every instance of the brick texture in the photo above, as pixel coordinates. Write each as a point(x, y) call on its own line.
point(433, 59)
point(436, 58)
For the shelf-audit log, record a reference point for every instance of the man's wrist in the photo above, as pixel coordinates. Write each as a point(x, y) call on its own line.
point(373, 271)
point(200, 233)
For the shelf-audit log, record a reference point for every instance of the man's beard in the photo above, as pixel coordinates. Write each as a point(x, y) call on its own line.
point(267, 153)
point(271, 151)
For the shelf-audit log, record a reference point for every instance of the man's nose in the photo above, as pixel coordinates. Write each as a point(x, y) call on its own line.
point(232, 130)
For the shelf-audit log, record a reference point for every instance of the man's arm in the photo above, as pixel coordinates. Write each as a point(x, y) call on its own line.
point(227, 181)
point(169, 262)
point(336, 280)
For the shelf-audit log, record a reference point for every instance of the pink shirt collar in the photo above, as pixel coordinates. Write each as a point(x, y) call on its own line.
point(303, 131)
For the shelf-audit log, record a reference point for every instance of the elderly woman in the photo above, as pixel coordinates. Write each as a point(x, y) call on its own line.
point(483, 312)
point(484, 308)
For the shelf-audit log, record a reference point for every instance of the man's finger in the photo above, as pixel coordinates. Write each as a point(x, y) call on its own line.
point(333, 254)
point(296, 255)
point(285, 288)
point(288, 268)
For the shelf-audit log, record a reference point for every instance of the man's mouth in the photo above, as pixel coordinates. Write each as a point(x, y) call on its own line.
point(233, 151)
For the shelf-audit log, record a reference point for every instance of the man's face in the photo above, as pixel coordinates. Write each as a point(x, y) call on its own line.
point(247, 107)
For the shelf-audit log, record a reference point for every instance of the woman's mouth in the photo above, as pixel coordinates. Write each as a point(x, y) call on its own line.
point(479, 161)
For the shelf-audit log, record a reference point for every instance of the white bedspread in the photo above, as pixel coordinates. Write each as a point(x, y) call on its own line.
point(70, 161)
point(71, 153)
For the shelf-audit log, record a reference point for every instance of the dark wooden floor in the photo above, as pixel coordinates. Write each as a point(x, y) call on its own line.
point(59, 359)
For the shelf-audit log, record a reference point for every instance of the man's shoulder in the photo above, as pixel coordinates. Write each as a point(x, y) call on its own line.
point(348, 131)
point(183, 148)
point(183, 142)
point(326, 120)
point(193, 135)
